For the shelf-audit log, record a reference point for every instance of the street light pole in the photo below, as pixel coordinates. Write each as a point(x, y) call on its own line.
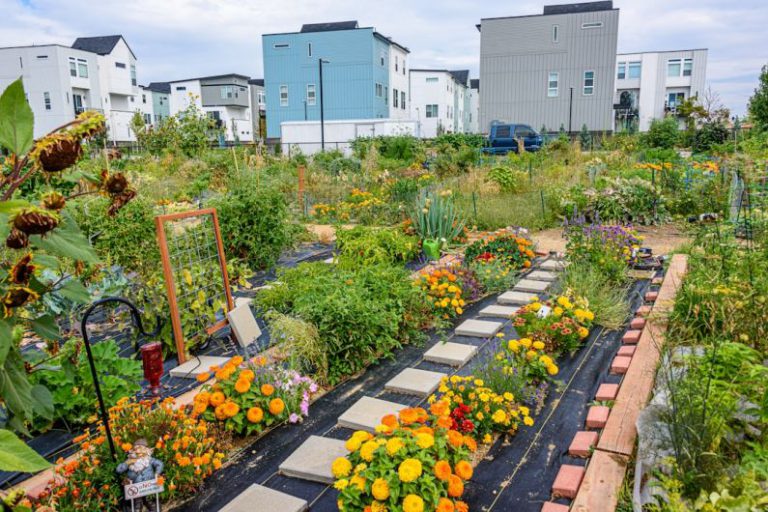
point(320, 63)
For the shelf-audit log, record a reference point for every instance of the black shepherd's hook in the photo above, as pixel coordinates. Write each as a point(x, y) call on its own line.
point(136, 316)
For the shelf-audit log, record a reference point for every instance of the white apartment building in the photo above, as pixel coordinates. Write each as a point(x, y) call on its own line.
point(474, 106)
point(440, 101)
point(224, 98)
point(651, 85)
point(398, 82)
point(258, 107)
point(96, 73)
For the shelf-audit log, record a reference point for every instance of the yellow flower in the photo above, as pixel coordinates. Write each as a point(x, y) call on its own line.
point(484, 397)
point(358, 481)
point(583, 332)
point(413, 503)
point(509, 396)
point(538, 345)
point(528, 421)
point(479, 383)
point(342, 484)
point(552, 369)
point(394, 445)
point(380, 489)
point(499, 416)
point(425, 440)
point(526, 342)
point(341, 467)
point(534, 306)
point(514, 346)
point(558, 311)
point(366, 451)
point(409, 470)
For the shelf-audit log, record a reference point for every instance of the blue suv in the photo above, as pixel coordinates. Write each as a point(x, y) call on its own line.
point(503, 139)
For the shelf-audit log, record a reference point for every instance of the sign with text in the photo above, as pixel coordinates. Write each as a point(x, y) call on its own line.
point(141, 489)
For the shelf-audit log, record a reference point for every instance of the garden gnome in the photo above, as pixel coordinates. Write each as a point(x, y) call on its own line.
point(141, 467)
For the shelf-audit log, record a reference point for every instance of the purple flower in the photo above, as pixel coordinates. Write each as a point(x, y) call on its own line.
point(304, 407)
point(293, 418)
point(313, 388)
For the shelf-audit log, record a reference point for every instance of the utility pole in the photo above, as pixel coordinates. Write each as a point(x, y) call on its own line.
point(320, 63)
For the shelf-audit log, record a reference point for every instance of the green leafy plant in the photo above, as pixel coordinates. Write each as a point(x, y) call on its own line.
point(363, 245)
point(434, 216)
point(507, 179)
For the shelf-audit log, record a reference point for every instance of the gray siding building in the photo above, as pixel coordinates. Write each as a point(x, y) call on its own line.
point(553, 69)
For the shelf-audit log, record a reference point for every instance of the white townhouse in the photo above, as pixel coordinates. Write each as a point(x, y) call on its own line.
point(95, 73)
point(440, 101)
point(474, 106)
point(398, 82)
point(651, 85)
point(224, 98)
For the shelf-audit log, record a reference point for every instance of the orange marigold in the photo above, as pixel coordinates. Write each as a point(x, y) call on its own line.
point(231, 409)
point(464, 470)
point(242, 386)
point(445, 505)
point(203, 377)
point(455, 438)
point(255, 414)
point(276, 406)
point(267, 389)
point(408, 416)
point(462, 507)
point(217, 398)
point(442, 470)
point(455, 486)
point(389, 420)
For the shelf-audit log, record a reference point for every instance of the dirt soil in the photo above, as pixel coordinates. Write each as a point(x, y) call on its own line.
point(662, 239)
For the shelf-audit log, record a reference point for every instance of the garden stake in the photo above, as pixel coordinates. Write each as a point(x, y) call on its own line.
point(136, 316)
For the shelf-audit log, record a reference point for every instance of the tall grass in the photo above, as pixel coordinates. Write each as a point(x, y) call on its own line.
point(608, 300)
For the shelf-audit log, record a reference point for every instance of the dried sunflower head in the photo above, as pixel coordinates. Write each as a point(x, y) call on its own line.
point(36, 221)
point(17, 239)
point(58, 152)
point(17, 297)
point(22, 271)
point(54, 201)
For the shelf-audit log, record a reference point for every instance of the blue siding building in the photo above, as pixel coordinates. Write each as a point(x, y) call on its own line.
point(356, 73)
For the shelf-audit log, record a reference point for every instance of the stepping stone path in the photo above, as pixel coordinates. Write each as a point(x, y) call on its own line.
point(450, 353)
point(529, 285)
point(553, 265)
point(515, 298)
point(542, 275)
point(413, 381)
point(367, 412)
point(478, 328)
point(499, 311)
point(197, 365)
point(313, 459)
point(258, 497)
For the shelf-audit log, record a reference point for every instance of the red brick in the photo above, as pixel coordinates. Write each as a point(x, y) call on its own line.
point(627, 350)
point(606, 392)
point(554, 507)
point(567, 481)
point(582, 443)
point(637, 323)
point(631, 337)
point(643, 311)
point(597, 416)
point(657, 280)
point(651, 296)
point(620, 365)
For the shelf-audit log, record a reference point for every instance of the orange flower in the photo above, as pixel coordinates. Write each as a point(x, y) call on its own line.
point(203, 377)
point(242, 386)
point(470, 443)
point(267, 389)
point(439, 408)
point(217, 398)
point(462, 507)
point(255, 414)
point(464, 470)
point(389, 420)
point(276, 406)
point(237, 360)
point(219, 412)
point(126, 447)
point(199, 408)
point(445, 505)
point(231, 409)
point(527, 264)
point(444, 422)
point(455, 438)
point(455, 486)
point(408, 415)
point(247, 375)
point(442, 470)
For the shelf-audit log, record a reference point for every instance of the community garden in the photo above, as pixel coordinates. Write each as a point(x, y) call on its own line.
point(420, 351)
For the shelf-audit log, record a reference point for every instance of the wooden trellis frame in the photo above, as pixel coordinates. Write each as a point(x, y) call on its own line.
point(170, 282)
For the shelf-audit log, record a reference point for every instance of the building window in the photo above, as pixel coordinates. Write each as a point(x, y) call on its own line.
point(675, 99)
point(120, 65)
point(621, 74)
point(143, 98)
point(403, 67)
point(431, 79)
point(397, 63)
point(589, 83)
point(687, 67)
point(181, 87)
point(78, 67)
point(634, 69)
point(381, 58)
point(555, 33)
point(553, 85)
point(147, 118)
point(593, 24)
point(72, 67)
point(386, 93)
point(402, 100)
point(281, 46)
point(395, 98)
point(42, 56)
point(47, 100)
point(379, 90)
point(674, 67)
point(309, 49)
point(432, 111)
point(283, 95)
point(133, 75)
point(227, 92)
point(311, 95)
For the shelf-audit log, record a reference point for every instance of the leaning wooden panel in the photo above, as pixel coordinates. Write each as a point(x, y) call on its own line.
point(195, 272)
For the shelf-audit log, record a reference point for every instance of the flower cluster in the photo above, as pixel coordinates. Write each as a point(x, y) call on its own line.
point(560, 324)
point(650, 166)
point(707, 167)
point(515, 251)
point(189, 447)
point(445, 292)
point(358, 201)
point(414, 463)
point(248, 398)
point(477, 410)
point(609, 247)
point(528, 357)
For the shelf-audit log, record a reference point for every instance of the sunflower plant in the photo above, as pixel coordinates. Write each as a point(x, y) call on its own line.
point(561, 324)
point(414, 463)
point(248, 398)
point(40, 235)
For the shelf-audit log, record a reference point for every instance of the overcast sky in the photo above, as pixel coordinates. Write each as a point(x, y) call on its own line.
point(176, 39)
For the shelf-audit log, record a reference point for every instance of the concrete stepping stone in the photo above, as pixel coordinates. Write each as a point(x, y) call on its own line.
point(328, 260)
point(529, 285)
point(542, 275)
point(244, 325)
point(197, 365)
point(478, 328)
point(258, 497)
point(515, 298)
point(366, 413)
point(553, 265)
point(567, 481)
point(499, 311)
point(452, 354)
point(412, 381)
point(239, 301)
point(313, 459)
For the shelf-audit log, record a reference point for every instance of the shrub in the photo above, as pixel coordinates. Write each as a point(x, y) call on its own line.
point(608, 248)
point(444, 291)
point(709, 136)
point(300, 343)
point(363, 245)
point(507, 179)
point(495, 275)
point(663, 133)
point(513, 250)
point(254, 223)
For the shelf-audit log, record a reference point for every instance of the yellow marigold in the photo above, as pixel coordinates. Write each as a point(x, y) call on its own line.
point(380, 489)
point(366, 451)
point(583, 332)
point(340, 485)
point(409, 470)
point(425, 441)
point(552, 369)
point(526, 342)
point(378, 506)
point(358, 481)
point(341, 467)
point(499, 416)
point(217, 398)
point(535, 306)
point(413, 503)
point(528, 421)
point(538, 345)
point(394, 445)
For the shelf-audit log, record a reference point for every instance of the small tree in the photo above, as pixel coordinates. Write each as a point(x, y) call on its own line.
point(585, 137)
point(758, 103)
point(663, 133)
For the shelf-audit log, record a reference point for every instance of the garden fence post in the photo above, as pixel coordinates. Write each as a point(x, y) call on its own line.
point(543, 209)
point(474, 204)
point(301, 184)
point(530, 172)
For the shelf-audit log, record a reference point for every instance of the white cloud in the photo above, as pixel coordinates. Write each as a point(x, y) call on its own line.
point(182, 38)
